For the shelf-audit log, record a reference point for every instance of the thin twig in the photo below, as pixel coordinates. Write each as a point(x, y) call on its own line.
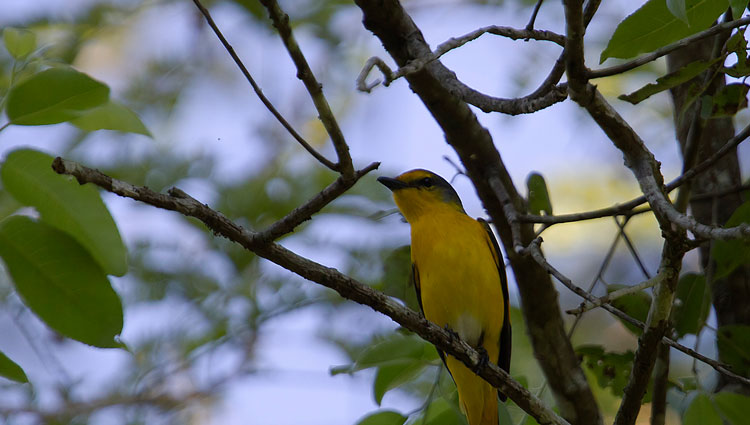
point(323, 160)
point(646, 169)
point(616, 294)
point(631, 247)
point(314, 88)
point(448, 45)
point(663, 51)
point(534, 250)
point(305, 211)
point(711, 196)
point(627, 209)
point(532, 20)
point(598, 277)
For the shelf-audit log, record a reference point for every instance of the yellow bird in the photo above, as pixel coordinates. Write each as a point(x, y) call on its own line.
point(459, 277)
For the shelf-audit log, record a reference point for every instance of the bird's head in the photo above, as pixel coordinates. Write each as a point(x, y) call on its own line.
point(419, 192)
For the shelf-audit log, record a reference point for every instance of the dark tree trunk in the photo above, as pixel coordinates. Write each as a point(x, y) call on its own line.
point(731, 295)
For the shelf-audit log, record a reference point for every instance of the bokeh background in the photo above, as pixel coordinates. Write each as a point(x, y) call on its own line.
point(242, 341)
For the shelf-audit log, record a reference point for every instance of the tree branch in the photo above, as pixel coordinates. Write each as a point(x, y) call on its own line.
point(451, 44)
point(627, 207)
point(535, 252)
point(436, 87)
point(305, 211)
point(663, 51)
point(617, 294)
point(347, 287)
point(284, 123)
point(646, 170)
point(304, 73)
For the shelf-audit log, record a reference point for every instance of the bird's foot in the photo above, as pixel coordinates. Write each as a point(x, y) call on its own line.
point(484, 359)
point(450, 330)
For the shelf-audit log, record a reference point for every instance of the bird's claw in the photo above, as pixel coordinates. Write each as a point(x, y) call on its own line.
point(450, 330)
point(484, 359)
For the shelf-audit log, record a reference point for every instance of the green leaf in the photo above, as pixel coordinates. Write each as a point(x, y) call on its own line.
point(733, 342)
point(53, 96)
point(636, 305)
point(398, 359)
point(63, 203)
point(538, 194)
point(395, 374)
point(612, 370)
point(111, 116)
point(395, 349)
point(443, 412)
point(738, 8)
point(383, 417)
point(19, 42)
point(692, 304)
point(60, 282)
point(701, 412)
point(668, 81)
point(730, 254)
point(732, 406)
point(730, 99)
point(653, 26)
point(11, 370)
point(678, 10)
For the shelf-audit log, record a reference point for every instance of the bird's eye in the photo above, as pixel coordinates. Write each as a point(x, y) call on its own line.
point(427, 182)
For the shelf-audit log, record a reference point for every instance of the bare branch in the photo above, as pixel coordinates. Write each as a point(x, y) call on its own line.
point(454, 43)
point(347, 287)
point(617, 294)
point(159, 401)
point(663, 51)
point(535, 252)
point(305, 211)
point(532, 20)
point(558, 69)
point(323, 160)
point(645, 168)
point(627, 207)
point(304, 73)
point(369, 65)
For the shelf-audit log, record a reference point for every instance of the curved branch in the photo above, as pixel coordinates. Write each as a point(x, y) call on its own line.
point(304, 73)
point(347, 287)
point(454, 43)
point(305, 211)
point(267, 103)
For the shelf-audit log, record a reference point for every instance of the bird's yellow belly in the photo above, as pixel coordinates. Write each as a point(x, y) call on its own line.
point(459, 282)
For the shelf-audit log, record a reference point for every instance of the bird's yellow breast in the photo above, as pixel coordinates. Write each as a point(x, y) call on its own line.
point(459, 281)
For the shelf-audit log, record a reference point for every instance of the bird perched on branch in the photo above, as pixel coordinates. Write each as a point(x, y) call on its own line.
point(459, 277)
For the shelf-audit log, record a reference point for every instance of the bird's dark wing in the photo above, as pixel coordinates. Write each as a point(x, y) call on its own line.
point(415, 280)
point(503, 359)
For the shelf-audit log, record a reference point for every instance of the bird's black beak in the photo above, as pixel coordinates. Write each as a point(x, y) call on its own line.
point(392, 184)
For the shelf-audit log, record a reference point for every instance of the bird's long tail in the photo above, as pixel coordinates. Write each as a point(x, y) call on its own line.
point(478, 399)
